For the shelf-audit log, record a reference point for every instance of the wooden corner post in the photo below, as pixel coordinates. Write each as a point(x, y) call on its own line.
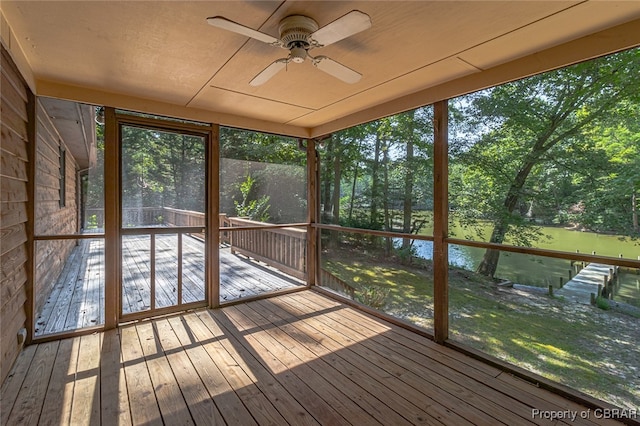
point(212, 250)
point(312, 214)
point(440, 222)
point(111, 219)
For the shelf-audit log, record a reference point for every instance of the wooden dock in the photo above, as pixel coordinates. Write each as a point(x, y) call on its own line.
point(77, 299)
point(586, 282)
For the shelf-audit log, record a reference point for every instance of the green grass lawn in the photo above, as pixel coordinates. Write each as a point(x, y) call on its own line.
point(583, 347)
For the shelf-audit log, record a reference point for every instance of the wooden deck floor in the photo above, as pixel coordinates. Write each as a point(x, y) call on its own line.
point(299, 359)
point(77, 299)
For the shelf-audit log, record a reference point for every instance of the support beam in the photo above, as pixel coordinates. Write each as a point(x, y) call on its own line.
point(111, 219)
point(32, 150)
point(212, 237)
point(440, 222)
point(313, 260)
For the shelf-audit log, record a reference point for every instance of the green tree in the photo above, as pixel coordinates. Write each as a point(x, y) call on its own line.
point(527, 126)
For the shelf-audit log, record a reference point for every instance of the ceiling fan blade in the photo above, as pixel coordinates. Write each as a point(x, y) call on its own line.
point(343, 27)
point(269, 72)
point(336, 69)
point(226, 24)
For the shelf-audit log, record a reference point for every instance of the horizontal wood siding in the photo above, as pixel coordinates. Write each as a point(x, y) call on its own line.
point(51, 218)
point(13, 211)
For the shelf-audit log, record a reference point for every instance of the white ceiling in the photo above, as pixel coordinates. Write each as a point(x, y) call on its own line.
point(163, 57)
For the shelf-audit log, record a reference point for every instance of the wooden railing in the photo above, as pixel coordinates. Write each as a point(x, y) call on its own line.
point(177, 217)
point(327, 279)
point(282, 248)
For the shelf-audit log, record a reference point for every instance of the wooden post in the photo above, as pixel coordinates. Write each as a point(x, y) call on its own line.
point(313, 260)
point(599, 290)
point(112, 249)
point(550, 290)
point(593, 299)
point(213, 213)
point(561, 282)
point(31, 215)
point(570, 274)
point(440, 222)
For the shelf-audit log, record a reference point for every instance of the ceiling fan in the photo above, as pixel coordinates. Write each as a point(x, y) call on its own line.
point(299, 34)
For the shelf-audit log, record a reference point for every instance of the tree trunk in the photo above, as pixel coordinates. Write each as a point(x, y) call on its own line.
point(326, 188)
point(634, 211)
point(489, 262)
point(388, 225)
point(408, 192)
point(353, 185)
point(335, 199)
point(375, 182)
point(353, 192)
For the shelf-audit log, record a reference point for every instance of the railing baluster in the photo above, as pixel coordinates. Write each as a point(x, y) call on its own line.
point(152, 277)
point(179, 268)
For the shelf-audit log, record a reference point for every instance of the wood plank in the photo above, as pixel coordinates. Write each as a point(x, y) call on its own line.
point(226, 400)
point(405, 337)
point(12, 94)
point(275, 358)
point(469, 401)
point(13, 167)
point(86, 396)
point(93, 269)
point(12, 263)
point(59, 398)
point(13, 213)
point(309, 339)
point(261, 363)
point(12, 384)
point(28, 405)
point(12, 316)
point(12, 119)
point(14, 142)
point(167, 392)
point(239, 377)
point(51, 315)
point(115, 409)
point(13, 191)
point(374, 380)
point(286, 404)
point(142, 397)
point(473, 374)
point(13, 237)
point(557, 402)
point(338, 391)
point(13, 78)
point(199, 402)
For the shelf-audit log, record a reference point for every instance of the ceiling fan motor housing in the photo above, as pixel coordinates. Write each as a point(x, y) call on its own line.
point(295, 31)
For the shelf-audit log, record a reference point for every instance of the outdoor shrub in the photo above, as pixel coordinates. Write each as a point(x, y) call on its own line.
point(373, 296)
point(602, 303)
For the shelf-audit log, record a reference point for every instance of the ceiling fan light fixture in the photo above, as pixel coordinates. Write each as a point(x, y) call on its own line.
point(299, 34)
point(298, 54)
point(296, 29)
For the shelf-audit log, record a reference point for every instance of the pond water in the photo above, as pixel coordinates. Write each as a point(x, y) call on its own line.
point(543, 271)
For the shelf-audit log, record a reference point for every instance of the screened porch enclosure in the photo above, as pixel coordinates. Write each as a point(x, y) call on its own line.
point(162, 231)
